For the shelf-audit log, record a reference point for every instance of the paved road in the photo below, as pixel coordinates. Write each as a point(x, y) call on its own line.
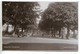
point(7, 40)
point(40, 46)
point(32, 43)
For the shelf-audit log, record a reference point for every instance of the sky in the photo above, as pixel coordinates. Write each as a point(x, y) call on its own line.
point(43, 6)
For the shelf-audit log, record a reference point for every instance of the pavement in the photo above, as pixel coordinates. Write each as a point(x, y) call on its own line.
point(7, 40)
point(39, 44)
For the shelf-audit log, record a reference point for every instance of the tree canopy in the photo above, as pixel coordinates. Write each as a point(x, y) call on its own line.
point(59, 15)
point(20, 14)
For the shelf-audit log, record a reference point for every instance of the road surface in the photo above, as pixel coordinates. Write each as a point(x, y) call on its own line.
point(33, 43)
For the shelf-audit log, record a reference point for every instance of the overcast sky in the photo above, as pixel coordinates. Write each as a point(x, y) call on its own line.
point(43, 6)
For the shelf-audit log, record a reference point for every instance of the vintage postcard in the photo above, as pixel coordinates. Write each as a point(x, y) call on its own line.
point(40, 26)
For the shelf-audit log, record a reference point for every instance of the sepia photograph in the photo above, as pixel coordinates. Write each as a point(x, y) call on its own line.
point(40, 26)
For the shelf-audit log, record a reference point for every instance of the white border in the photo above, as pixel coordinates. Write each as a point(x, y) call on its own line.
point(37, 52)
point(0, 26)
point(45, 0)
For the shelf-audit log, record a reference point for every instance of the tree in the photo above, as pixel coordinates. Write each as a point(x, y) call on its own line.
point(20, 14)
point(62, 14)
point(54, 20)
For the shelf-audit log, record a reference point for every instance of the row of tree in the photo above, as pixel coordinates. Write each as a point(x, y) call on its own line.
point(20, 14)
point(59, 15)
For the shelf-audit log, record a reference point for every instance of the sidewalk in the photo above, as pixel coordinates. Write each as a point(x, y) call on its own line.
point(7, 40)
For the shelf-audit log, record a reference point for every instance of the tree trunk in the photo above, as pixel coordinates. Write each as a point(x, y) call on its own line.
point(74, 36)
point(60, 32)
point(22, 32)
point(68, 32)
point(54, 32)
point(15, 29)
point(7, 29)
point(42, 34)
point(32, 32)
point(50, 33)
